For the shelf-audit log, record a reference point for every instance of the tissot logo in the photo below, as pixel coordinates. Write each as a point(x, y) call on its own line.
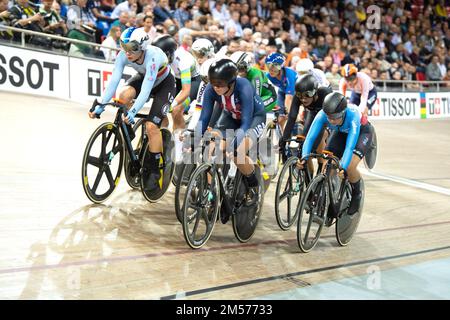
point(98, 80)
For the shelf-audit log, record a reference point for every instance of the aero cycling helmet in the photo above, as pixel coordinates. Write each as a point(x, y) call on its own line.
point(222, 72)
point(306, 85)
point(167, 44)
point(349, 71)
point(243, 60)
point(202, 48)
point(204, 68)
point(134, 39)
point(275, 59)
point(304, 65)
point(334, 105)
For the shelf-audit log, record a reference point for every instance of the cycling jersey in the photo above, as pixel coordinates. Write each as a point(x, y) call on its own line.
point(242, 106)
point(351, 126)
point(263, 88)
point(287, 83)
point(154, 70)
point(311, 112)
point(184, 66)
point(362, 89)
point(285, 86)
point(319, 75)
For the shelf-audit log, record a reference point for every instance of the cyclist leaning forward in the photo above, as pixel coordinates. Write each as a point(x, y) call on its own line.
point(153, 79)
point(242, 111)
point(257, 78)
point(350, 140)
point(309, 95)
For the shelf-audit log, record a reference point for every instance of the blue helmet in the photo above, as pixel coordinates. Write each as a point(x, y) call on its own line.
point(275, 58)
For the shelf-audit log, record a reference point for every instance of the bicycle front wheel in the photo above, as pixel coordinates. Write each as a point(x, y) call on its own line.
point(102, 162)
point(201, 206)
point(290, 187)
point(312, 213)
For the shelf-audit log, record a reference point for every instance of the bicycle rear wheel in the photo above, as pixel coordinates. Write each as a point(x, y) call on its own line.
point(102, 162)
point(312, 213)
point(346, 225)
point(201, 206)
point(167, 168)
point(245, 218)
point(290, 187)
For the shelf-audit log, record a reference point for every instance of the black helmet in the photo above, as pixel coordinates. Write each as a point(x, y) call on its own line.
point(222, 72)
point(334, 105)
point(167, 44)
point(306, 84)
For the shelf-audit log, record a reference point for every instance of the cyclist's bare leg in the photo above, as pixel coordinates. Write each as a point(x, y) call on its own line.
point(165, 122)
point(154, 136)
point(177, 116)
point(126, 96)
point(352, 171)
point(242, 161)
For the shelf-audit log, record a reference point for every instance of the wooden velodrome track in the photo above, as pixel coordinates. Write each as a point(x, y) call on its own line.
point(55, 244)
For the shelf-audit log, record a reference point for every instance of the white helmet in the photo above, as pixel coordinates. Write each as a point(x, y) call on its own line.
point(134, 39)
point(202, 48)
point(243, 60)
point(204, 68)
point(304, 65)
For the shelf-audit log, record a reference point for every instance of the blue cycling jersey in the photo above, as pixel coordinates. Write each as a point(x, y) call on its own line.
point(243, 104)
point(154, 68)
point(287, 83)
point(351, 126)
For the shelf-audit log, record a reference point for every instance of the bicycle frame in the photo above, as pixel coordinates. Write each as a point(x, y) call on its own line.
point(332, 163)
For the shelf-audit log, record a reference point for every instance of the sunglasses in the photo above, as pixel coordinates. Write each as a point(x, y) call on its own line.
point(130, 47)
point(306, 94)
point(351, 78)
point(275, 66)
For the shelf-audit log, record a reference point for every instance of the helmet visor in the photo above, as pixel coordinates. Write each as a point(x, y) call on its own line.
point(276, 66)
point(306, 94)
point(335, 116)
point(350, 78)
point(131, 47)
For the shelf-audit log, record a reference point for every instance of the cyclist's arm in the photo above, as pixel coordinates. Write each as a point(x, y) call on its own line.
point(151, 73)
point(319, 121)
point(292, 117)
point(183, 95)
point(207, 109)
point(343, 86)
point(365, 84)
point(352, 138)
point(290, 92)
point(247, 110)
point(119, 66)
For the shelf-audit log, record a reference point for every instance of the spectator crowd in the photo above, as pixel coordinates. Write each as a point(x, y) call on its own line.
point(388, 40)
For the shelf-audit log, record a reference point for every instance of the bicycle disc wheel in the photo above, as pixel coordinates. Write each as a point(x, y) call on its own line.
point(245, 218)
point(290, 187)
point(346, 225)
point(102, 162)
point(312, 213)
point(167, 167)
point(133, 175)
point(201, 206)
